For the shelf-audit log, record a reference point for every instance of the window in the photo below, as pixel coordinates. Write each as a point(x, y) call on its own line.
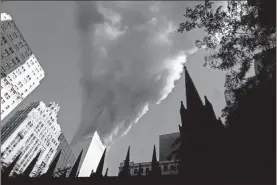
point(9, 25)
point(6, 66)
point(173, 168)
point(15, 35)
point(165, 168)
point(17, 59)
point(10, 37)
point(11, 50)
point(2, 101)
point(3, 40)
point(136, 171)
point(5, 53)
point(19, 84)
point(7, 96)
point(16, 46)
point(2, 69)
point(147, 171)
point(12, 62)
point(3, 26)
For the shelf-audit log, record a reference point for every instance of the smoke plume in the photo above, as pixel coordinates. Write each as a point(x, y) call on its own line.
point(128, 63)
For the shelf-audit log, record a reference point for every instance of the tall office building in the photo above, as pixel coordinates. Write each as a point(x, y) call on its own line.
point(92, 156)
point(67, 158)
point(30, 131)
point(166, 142)
point(21, 72)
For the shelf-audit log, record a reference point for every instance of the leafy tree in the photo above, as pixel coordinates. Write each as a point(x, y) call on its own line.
point(235, 38)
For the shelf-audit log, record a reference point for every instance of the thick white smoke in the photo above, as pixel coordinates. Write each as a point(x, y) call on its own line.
point(128, 63)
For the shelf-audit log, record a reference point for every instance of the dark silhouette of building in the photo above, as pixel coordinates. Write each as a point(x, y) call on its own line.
point(201, 136)
point(125, 172)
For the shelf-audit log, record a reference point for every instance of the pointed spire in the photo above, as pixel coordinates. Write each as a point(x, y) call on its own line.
point(126, 169)
point(53, 165)
point(100, 166)
point(74, 170)
point(155, 169)
point(154, 156)
point(10, 167)
point(31, 166)
point(193, 99)
point(127, 160)
point(209, 107)
point(182, 106)
point(106, 174)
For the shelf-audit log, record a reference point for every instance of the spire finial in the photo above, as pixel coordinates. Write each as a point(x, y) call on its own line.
point(100, 166)
point(193, 99)
point(74, 170)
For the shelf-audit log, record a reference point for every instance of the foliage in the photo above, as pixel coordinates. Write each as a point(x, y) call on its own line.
point(252, 83)
point(235, 37)
point(61, 171)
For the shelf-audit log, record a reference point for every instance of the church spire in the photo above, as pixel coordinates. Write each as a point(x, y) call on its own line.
point(126, 169)
point(192, 96)
point(100, 166)
point(53, 165)
point(106, 174)
point(155, 169)
point(10, 167)
point(31, 166)
point(209, 108)
point(74, 170)
point(182, 106)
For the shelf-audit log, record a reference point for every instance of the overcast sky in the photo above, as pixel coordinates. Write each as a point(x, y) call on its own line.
point(134, 38)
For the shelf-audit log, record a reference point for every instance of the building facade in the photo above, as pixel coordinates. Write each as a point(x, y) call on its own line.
point(21, 72)
point(30, 131)
point(67, 158)
point(167, 168)
point(166, 142)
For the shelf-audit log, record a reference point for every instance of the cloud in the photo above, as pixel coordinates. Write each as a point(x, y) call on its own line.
point(129, 62)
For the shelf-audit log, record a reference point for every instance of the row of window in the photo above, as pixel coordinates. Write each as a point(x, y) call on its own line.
point(165, 169)
point(3, 40)
point(6, 52)
point(10, 64)
point(6, 24)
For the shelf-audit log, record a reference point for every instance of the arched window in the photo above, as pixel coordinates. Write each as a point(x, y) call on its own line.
point(136, 171)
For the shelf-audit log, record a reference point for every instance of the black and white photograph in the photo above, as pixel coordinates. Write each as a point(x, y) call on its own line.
point(138, 92)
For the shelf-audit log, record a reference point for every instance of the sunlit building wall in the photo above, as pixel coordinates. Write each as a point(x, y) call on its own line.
point(28, 132)
point(21, 72)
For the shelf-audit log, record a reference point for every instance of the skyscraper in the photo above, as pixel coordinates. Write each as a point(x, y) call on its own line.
point(92, 156)
point(67, 158)
point(28, 132)
point(21, 72)
point(166, 142)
